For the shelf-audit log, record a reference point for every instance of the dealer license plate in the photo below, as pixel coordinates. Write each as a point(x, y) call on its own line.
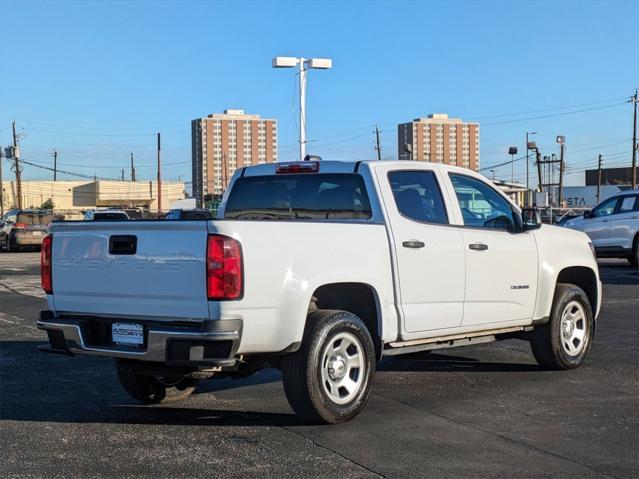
point(127, 333)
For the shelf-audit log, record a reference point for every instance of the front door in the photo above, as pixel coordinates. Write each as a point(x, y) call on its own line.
point(429, 253)
point(501, 265)
point(598, 225)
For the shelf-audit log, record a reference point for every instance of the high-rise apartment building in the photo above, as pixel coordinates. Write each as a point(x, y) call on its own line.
point(441, 140)
point(221, 143)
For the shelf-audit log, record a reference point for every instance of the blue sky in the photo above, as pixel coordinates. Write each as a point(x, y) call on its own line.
point(95, 80)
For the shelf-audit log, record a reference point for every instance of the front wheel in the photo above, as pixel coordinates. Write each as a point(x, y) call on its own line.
point(329, 379)
point(153, 389)
point(565, 340)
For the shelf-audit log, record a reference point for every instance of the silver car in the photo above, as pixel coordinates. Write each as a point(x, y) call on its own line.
point(613, 226)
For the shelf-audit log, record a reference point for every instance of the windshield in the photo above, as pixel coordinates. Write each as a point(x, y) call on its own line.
point(303, 196)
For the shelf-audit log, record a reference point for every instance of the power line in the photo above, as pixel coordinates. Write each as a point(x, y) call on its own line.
point(548, 109)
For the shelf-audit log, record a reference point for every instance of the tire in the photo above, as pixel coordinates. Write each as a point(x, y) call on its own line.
point(633, 259)
point(329, 379)
point(7, 245)
point(153, 389)
point(564, 342)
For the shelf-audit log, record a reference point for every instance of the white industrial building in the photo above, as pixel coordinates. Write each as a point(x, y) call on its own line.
point(72, 198)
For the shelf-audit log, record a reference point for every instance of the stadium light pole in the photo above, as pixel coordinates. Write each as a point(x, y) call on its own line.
point(304, 65)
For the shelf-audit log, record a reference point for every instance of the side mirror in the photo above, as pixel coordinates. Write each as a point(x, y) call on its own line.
point(531, 219)
point(588, 214)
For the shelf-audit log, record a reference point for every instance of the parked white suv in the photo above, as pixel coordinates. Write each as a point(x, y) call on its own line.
point(613, 226)
point(320, 269)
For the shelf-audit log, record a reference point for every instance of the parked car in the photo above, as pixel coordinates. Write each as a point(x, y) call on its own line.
point(613, 226)
point(320, 269)
point(189, 215)
point(106, 215)
point(20, 229)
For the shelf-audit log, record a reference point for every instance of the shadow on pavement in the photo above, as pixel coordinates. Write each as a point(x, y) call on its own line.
point(433, 362)
point(41, 387)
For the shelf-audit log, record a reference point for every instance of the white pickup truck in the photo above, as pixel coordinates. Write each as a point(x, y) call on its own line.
point(319, 269)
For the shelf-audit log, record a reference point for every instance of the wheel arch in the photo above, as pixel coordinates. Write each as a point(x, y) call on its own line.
point(361, 299)
point(586, 279)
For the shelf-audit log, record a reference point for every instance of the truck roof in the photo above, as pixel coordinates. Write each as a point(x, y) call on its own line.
point(336, 166)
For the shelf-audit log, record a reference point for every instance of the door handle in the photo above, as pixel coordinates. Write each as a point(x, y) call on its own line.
point(413, 244)
point(478, 246)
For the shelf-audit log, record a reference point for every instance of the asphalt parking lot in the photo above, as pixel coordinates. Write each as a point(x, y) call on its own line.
point(482, 411)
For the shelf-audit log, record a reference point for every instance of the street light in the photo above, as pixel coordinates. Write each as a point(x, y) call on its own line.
point(512, 151)
point(493, 172)
point(304, 65)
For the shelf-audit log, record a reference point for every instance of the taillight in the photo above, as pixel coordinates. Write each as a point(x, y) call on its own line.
point(223, 268)
point(20, 226)
point(45, 264)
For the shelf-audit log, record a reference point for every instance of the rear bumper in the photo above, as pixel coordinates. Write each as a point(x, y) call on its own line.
point(206, 343)
point(28, 240)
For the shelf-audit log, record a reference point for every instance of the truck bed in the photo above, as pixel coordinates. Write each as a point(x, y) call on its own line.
point(165, 278)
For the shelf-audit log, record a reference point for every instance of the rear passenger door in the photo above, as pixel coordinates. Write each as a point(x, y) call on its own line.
point(501, 264)
point(429, 253)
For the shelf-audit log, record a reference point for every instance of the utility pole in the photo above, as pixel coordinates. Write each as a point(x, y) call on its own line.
point(528, 148)
point(561, 139)
point(55, 165)
point(634, 100)
point(599, 177)
point(16, 158)
point(547, 166)
point(122, 174)
point(132, 169)
point(538, 157)
point(527, 160)
point(378, 147)
point(159, 178)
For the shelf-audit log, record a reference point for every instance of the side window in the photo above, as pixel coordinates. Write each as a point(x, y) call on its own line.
point(417, 196)
point(628, 203)
point(481, 205)
point(606, 208)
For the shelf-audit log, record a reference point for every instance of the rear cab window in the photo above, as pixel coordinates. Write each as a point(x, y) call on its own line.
point(322, 196)
point(417, 196)
point(110, 216)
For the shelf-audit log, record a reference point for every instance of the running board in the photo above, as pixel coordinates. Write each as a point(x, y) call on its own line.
point(452, 341)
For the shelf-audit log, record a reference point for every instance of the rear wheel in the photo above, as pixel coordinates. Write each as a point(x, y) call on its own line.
point(565, 340)
point(633, 259)
point(329, 379)
point(153, 389)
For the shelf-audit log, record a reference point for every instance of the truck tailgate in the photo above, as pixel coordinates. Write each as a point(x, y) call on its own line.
point(133, 268)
